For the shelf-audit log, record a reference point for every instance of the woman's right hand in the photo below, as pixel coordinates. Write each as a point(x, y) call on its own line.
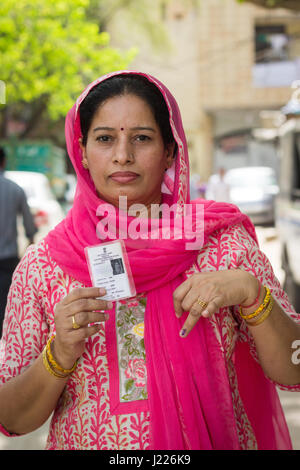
point(84, 305)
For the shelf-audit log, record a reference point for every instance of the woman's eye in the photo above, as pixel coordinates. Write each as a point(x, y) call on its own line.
point(103, 138)
point(142, 138)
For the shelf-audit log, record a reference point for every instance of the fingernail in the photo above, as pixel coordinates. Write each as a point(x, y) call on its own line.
point(109, 305)
point(102, 291)
point(182, 332)
point(205, 313)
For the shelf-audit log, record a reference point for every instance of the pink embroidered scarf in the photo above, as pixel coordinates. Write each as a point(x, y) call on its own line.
point(189, 392)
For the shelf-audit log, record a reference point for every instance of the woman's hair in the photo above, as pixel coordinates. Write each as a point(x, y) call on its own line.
point(122, 85)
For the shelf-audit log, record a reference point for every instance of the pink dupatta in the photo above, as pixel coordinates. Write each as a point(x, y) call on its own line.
point(189, 393)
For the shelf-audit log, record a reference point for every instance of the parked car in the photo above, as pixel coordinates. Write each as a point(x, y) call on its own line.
point(46, 211)
point(38, 156)
point(254, 190)
point(288, 208)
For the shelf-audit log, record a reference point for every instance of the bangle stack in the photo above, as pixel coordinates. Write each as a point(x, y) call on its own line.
point(262, 312)
point(52, 366)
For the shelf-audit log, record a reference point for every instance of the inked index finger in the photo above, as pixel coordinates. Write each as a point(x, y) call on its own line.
point(194, 316)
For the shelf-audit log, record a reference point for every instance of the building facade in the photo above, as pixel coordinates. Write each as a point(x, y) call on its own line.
point(226, 63)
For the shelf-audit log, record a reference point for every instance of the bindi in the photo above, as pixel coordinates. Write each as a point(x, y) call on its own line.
point(122, 128)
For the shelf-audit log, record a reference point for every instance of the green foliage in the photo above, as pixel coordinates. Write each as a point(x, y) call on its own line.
point(50, 51)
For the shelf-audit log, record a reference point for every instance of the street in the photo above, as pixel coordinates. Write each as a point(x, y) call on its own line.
point(290, 401)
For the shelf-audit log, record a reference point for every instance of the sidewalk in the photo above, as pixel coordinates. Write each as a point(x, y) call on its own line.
point(291, 406)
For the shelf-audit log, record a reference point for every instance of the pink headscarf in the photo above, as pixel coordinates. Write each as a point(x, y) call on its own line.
point(189, 394)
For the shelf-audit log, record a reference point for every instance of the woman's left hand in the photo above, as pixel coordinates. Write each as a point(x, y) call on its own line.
point(217, 289)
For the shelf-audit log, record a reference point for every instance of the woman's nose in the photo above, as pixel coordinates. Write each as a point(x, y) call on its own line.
point(123, 153)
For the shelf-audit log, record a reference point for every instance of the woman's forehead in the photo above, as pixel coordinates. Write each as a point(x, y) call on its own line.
point(125, 109)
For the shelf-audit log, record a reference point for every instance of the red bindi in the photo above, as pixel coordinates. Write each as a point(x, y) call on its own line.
point(122, 128)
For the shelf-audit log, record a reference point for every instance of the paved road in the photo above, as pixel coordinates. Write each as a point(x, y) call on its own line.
point(290, 401)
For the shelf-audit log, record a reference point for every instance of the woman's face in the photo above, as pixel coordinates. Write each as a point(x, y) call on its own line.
point(125, 152)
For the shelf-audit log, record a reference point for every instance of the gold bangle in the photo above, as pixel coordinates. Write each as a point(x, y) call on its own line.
point(49, 369)
point(54, 363)
point(260, 308)
point(264, 315)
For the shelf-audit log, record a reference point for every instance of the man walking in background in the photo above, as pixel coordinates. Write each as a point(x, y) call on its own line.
point(217, 188)
point(12, 202)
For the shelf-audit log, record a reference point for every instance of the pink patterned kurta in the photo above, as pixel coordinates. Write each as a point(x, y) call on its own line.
point(104, 404)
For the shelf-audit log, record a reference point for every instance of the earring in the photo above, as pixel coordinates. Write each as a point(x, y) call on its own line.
point(85, 164)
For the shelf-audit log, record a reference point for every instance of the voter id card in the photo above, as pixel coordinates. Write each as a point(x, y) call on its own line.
point(109, 268)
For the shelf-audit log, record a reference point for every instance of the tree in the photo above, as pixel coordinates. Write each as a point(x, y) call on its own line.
point(49, 52)
point(289, 4)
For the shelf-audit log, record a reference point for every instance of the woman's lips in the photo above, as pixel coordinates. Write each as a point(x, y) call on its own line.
point(123, 176)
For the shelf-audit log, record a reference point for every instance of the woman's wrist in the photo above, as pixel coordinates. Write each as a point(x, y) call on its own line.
point(64, 360)
point(254, 294)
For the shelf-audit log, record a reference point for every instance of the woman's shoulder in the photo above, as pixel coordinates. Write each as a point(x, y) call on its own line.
point(237, 234)
point(39, 251)
point(224, 246)
point(37, 260)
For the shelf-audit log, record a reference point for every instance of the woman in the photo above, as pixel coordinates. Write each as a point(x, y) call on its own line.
point(202, 373)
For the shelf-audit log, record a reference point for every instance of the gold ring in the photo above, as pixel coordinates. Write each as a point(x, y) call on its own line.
point(75, 325)
point(202, 303)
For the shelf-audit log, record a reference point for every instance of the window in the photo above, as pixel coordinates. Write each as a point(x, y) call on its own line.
point(271, 44)
point(277, 53)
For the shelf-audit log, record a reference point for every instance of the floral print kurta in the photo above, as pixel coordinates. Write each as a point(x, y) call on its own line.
point(104, 404)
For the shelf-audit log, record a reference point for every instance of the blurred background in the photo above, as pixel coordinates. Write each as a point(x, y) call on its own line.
point(232, 65)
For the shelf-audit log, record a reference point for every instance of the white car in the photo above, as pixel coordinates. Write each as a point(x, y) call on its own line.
point(254, 190)
point(46, 211)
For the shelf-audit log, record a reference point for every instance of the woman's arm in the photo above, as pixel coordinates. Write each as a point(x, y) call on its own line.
point(239, 285)
point(26, 401)
point(273, 339)
point(28, 391)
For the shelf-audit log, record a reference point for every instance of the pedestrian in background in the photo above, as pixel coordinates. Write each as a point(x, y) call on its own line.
point(217, 188)
point(197, 187)
point(12, 202)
